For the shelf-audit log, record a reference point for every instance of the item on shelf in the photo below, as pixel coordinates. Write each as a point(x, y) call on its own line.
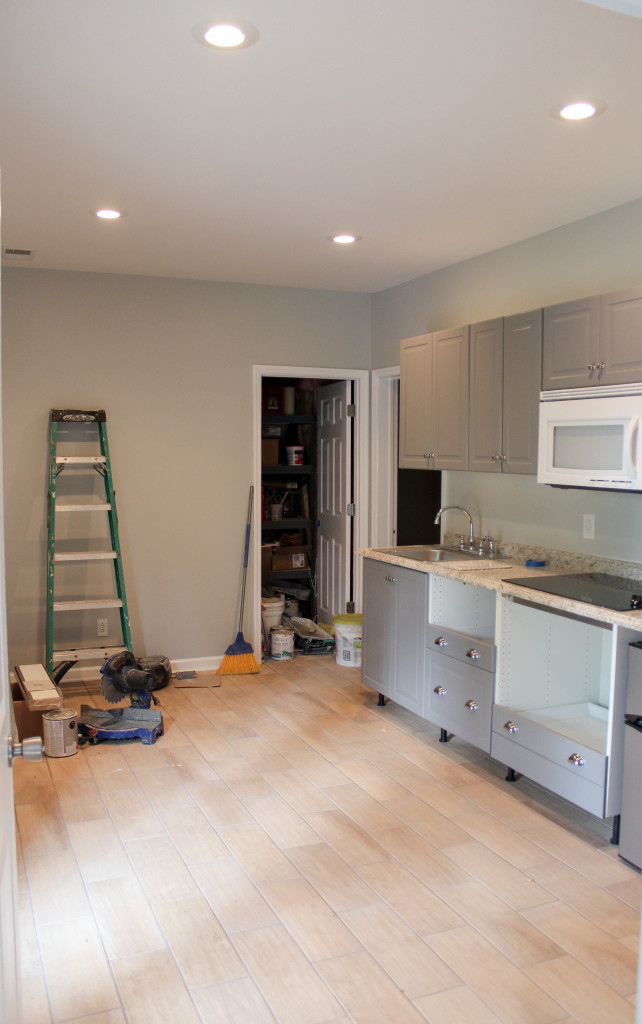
point(293, 557)
point(273, 399)
point(294, 454)
point(288, 540)
point(270, 451)
point(288, 401)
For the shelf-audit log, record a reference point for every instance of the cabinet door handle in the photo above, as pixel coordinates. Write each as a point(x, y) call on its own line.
point(391, 579)
point(601, 366)
point(472, 705)
point(441, 641)
point(473, 653)
point(439, 690)
point(511, 727)
point(577, 760)
point(591, 367)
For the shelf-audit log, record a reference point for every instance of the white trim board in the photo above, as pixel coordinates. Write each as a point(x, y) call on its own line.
point(361, 380)
point(385, 456)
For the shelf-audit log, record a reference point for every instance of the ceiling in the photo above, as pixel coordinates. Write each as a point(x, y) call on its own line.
point(423, 126)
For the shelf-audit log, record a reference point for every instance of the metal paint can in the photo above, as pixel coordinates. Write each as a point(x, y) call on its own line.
point(60, 732)
point(282, 643)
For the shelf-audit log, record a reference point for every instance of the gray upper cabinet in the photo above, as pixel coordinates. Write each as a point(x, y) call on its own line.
point(505, 375)
point(593, 341)
point(433, 429)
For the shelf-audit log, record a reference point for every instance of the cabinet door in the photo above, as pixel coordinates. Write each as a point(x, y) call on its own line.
point(486, 391)
point(522, 384)
point(410, 648)
point(571, 343)
point(416, 376)
point(379, 625)
point(621, 337)
point(448, 435)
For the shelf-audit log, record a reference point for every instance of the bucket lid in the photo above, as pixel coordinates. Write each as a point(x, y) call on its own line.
point(348, 619)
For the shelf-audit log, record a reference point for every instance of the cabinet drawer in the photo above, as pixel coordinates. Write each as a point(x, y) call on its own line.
point(568, 784)
point(460, 699)
point(478, 653)
point(551, 745)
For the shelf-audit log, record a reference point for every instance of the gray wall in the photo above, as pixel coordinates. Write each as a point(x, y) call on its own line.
point(602, 253)
point(171, 362)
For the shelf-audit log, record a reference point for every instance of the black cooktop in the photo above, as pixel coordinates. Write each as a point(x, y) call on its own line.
point(616, 592)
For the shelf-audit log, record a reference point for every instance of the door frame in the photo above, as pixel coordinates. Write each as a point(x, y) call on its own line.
point(385, 456)
point(361, 465)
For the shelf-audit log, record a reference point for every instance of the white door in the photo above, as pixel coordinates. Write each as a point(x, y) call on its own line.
point(8, 884)
point(334, 476)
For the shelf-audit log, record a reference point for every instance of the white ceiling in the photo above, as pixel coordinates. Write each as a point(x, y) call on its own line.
point(421, 125)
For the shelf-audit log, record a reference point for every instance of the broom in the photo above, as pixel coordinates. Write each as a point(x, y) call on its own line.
point(239, 657)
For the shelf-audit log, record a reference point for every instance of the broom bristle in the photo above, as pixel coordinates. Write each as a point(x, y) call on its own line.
point(238, 665)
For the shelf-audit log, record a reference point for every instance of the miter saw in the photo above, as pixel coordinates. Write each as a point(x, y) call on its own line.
point(123, 675)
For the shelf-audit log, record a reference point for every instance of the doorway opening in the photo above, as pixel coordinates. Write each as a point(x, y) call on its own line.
point(311, 479)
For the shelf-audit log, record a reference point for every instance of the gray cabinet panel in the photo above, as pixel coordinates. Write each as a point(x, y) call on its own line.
point(470, 650)
point(449, 431)
point(621, 337)
point(522, 385)
point(459, 699)
point(395, 609)
point(571, 344)
point(415, 389)
point(486, 396)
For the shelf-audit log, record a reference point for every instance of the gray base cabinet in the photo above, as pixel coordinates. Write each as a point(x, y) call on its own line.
point(459, 695)
point(395, 602)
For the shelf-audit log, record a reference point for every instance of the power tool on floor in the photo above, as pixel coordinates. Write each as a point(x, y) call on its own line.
point(123, 675)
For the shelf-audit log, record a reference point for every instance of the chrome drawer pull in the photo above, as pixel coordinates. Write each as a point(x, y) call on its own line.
point(577, 760)
point(592, 366)
point(472, 653)
point(391, 579)
point(439, 690)
point(441, 641)
point(472, 705)
point(511, 727)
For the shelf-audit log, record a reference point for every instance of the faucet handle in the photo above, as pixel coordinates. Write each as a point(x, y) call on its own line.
point(462, 541)
point(489, 544)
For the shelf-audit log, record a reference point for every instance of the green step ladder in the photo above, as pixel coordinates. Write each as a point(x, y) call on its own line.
point(80, 431)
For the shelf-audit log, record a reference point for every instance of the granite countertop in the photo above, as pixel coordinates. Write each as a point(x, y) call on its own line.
point(496, 573)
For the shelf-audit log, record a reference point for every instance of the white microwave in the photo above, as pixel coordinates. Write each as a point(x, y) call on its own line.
point(591, 438)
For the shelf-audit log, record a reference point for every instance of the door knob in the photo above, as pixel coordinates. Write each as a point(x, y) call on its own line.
point(30, 749)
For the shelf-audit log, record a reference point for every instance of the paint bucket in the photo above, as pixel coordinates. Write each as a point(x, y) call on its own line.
point(291, 607)
point(272, 612)
point(60, 732)
point(294, 453)
point(347, 635)
point(281, 643)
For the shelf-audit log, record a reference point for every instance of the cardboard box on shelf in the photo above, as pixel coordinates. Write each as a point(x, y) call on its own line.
point(293, 557)
point(270, 451)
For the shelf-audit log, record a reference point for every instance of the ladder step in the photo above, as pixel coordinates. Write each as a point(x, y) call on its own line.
point(75, 606)
point(86, 652)
point(83, 508)
point(83, 556)
point(80, 460)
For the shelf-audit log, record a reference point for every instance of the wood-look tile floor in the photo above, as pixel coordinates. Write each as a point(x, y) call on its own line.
point(288, 851)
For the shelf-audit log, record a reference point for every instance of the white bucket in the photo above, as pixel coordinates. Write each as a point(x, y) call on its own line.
point(291, 607)
point(272, 612)
point(347, 637)
point(60, 732)
point(282, 643)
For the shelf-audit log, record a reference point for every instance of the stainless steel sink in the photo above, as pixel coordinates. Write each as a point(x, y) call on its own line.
point(430, 553)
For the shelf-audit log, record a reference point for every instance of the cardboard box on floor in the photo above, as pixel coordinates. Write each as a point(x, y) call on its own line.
point(29, 723)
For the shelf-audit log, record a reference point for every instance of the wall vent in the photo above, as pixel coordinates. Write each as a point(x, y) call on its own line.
point(10, 253)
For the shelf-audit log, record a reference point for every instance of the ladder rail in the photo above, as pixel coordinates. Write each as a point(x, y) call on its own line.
point(112, 516)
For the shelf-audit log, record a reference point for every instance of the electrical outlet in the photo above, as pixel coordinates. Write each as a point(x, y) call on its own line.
point(102, 627)
point(588, 527)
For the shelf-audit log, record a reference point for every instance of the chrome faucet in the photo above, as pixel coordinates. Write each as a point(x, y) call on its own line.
point(471, 539)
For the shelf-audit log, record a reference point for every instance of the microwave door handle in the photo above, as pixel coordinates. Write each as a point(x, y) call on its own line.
point(631, 447)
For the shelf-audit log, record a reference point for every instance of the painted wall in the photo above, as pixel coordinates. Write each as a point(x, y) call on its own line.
point(171, 362)
point(600, 254)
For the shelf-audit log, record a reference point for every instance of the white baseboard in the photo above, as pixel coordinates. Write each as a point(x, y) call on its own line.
point(84, 671)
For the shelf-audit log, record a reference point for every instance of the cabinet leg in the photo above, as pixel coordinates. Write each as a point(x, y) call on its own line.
point(511, 777)
point(382, 700)
point(443, 735)
point(615, 838)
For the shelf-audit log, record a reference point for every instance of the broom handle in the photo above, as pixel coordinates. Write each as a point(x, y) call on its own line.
point(248, 528)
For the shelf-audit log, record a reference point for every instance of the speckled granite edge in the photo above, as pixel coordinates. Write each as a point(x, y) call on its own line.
point(560, 559)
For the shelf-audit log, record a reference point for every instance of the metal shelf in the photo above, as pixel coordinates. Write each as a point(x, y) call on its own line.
point(286, 524)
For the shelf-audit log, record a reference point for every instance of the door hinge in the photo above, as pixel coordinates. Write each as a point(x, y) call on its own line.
point(351, 410)
point(350, 509)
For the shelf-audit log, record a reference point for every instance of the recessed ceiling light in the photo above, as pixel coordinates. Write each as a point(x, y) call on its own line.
point(579, 110)
point(107, 214)
point(344, 239)
point(225, 35)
